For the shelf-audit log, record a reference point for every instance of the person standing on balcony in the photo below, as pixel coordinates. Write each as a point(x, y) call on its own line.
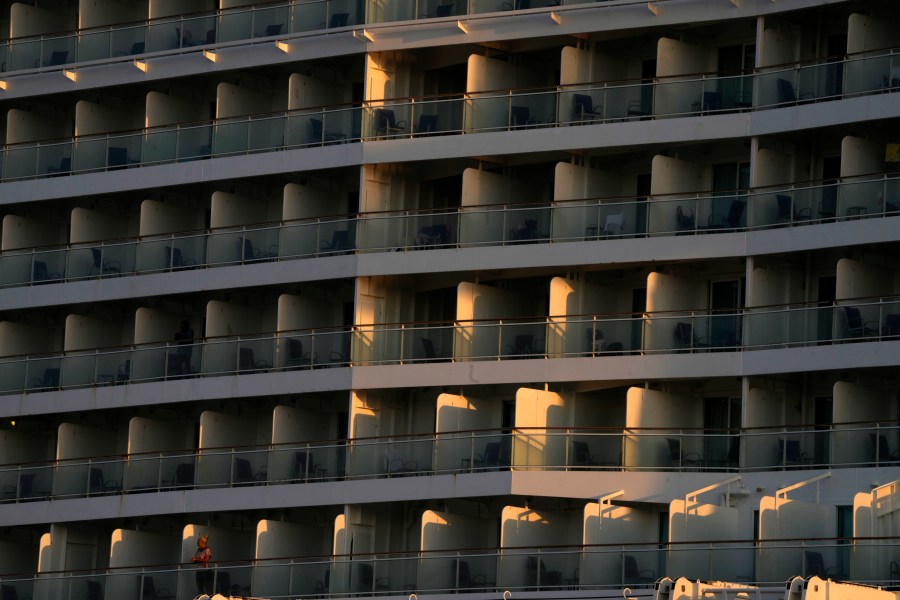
point(201, 557)
point(185, 339)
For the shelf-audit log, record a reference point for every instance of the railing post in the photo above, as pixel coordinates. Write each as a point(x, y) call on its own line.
point(400, 351)
point(499, 338)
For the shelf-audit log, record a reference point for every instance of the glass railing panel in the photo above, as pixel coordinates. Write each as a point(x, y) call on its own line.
point(437, 230)
point(859, 200)
point(220, 357)
point(18, 269)
point(261, 244)
point(433, 344)
point(105, 476)
point(112, 367)
point(27, 483)
point(299, 239)
point(164, 35)
point(231, 137)
point(79, 369)
point(127, 41)
point(148, 363)
point(255, 355)
point(164, 583)
point(195, 142)
point(89, 155)
point(54, 158)
point(95, 45)
point(250, 467)
point(123, 151)
point(270, 21)
point(178, 472)
point(594, 450)
point(822, 81)
point(342, 124)
point(305, 129)
point(143, 472)
point(4, 57)
point(530, 110)
point(309, 16)
point(215, 467)
point(121, 256)
point(25, 54)
point(522, 340)
point(197, 31)
point(471, 452)
point(437, 117)
point(295, 351)
point(266, 133)
point(342, 13)
point(488, 111)
point(71, 478)
point(528, 224)
point(19, 162)
point(159, 145)
point(478, 226)
point(155, 255)
point(228, 247)
point(871, 74)
point(234, 26)
point(404, 457)
point(14, 375)
point(331, 348)
point(43, 374)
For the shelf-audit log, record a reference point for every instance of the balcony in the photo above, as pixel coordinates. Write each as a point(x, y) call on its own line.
point(280, 20)
point(749, 329)
point(480, 112)
point(564, 221)
point(749, 450)
point(519, 569)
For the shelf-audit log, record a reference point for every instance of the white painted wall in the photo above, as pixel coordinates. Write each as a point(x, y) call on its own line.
point(293, 426)
point(448, 531)
point(784, 519)
point(24, 126)
point(670, 293)
point(218, 433)
point(675, 58)
point(694, 521)
point(522, 527)
point(83, 333)
point(148, 436)
point(857, 403)
point(277, 539)
point(26, 20)
point(675, 176)
point(94, 226)
point(540, 410)
point(26, 232)
point(459, 413)
point(652, 408)
point(475, 301)
point(616, 525)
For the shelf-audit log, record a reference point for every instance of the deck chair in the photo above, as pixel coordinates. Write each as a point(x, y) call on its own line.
point(149, 591)
point(881, 449)
point(184, 475)
point(462, 575)
point(97, 484)
point(247, 361)
point(431, 353)
point(338, 20)
point(677, 457)
point(520, 116)
point(41, 274)
point(581, 455)
point(584, 109)
point(891, 326)
point(368, 581)
point(340, 241)
point(786, 93)
point(815, 565)
point(538, 573)
point(615, 224)
point(786, 211)
point(94, 590)
point(427, 124)
point(49, 380)
point(386, 123)
point(712, 101)
point(856, 327)
point(685, 338)
point(444, 10)
point(296, 357)
point(274, 29)
point(632, 574)
point(730, 221)
point(320, 135)
point(684, 221)
point(104, 266)
point(789, 451)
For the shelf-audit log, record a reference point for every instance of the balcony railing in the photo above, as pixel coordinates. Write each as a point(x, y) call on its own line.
point(746, 329)
point(678, 214)
point(843, 445)
point(280, 20)
point(547, 568)
point(467, 113)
